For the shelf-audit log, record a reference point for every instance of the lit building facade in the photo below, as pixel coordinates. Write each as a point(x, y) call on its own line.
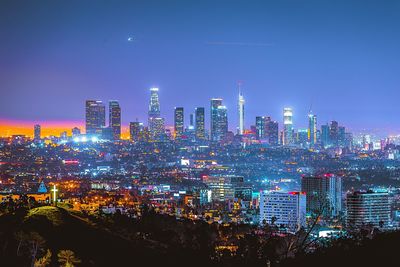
point(324, 194)
point(287, 209)
point(367, 208)
point(200, 123)
point(37, 132)
point(241, 112)
point(288, 126)
point(312, 129)
point(135, 130)
point(95, 116)
point(115, 119)
point(179, 122)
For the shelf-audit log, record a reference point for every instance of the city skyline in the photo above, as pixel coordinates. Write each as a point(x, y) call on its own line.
point(282, 62)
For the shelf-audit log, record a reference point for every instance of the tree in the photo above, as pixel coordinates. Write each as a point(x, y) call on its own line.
point(43, 261)
point(67, 258)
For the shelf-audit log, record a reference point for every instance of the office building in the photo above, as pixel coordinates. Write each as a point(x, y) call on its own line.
point(287, 209)
point(95, 116)
point(76, 132)
point(36, 132)
point(324, 194)
point(288, 126)
point(200, 124)
point(214, 118)
point(241, 112)
point(367, 209)
point(179, 122)
point(135, 130)
point(115, 119)
point(312, 129)
point(302, 137)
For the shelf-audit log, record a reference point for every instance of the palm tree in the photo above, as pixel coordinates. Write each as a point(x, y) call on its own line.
point(67, 258)
point(44, 261)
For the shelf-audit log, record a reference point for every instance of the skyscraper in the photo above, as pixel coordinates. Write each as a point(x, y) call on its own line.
point(156, 123)
point(273, 132)
point(261, 127)
point(95, 116)
point(199, 126)
point(154, 105)
point(324, 194)
point(334, 133)
point(288, 209)
point(178, 122)
point(37, 132)
point(241, 112)
point(115, 119)
point(222, 123)
point(287, 126)
point(325, 138)
point(76, 131)
point(215, 103)
point(135, 130)
point(312, 128)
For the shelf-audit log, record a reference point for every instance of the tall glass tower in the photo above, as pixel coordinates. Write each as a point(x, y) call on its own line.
point(312, 128)
point(115, 118)
point(154, 106)
point(287, 126)
point(215, 103)
point(178, 122)
point(199, 124)
point(95, 116)
point(241, 111)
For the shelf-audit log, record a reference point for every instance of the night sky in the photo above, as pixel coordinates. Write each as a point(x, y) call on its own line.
point(341, 57)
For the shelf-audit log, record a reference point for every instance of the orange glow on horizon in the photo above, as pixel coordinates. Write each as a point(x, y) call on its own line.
point(48, 128)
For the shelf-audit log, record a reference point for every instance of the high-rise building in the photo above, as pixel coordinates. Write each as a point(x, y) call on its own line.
point(273, 132)
point(215, 103)
point(324, 194)
point(241, 112)
point(286, 209)
point(95, 116)
point(288, 126)
point(37, 132)
point(334, 133)
point(135, 130)
point(222, 123)
point(157, 128)
point(156, 123)
point(261, 127)
point(312, 129)
point(154, 105)
point(200, 124)
point(219, 120)
point(341, 136)
point(302, 137)
point(367, 208)
point(325, 138)
point(179, 125)
point(227, 187)
point(191, 121)
point(115, 119)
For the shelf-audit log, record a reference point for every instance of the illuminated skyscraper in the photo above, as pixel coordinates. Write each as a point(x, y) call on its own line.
point(261, 127)
point(37, 132)
point(222, 123)
point(154, 106)
point(334, 133)
point(156, 123)
point(179, 122)
point(215, 103)
point(157, 128)
point(312, 128)
point(287, 126)
point(273, 132)
point(115, 119)
point(135, 130)
point(95, 116)
point(241, 112)
point(199, 126)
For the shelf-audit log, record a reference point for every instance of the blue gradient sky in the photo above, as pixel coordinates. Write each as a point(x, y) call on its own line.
point(343, 57)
